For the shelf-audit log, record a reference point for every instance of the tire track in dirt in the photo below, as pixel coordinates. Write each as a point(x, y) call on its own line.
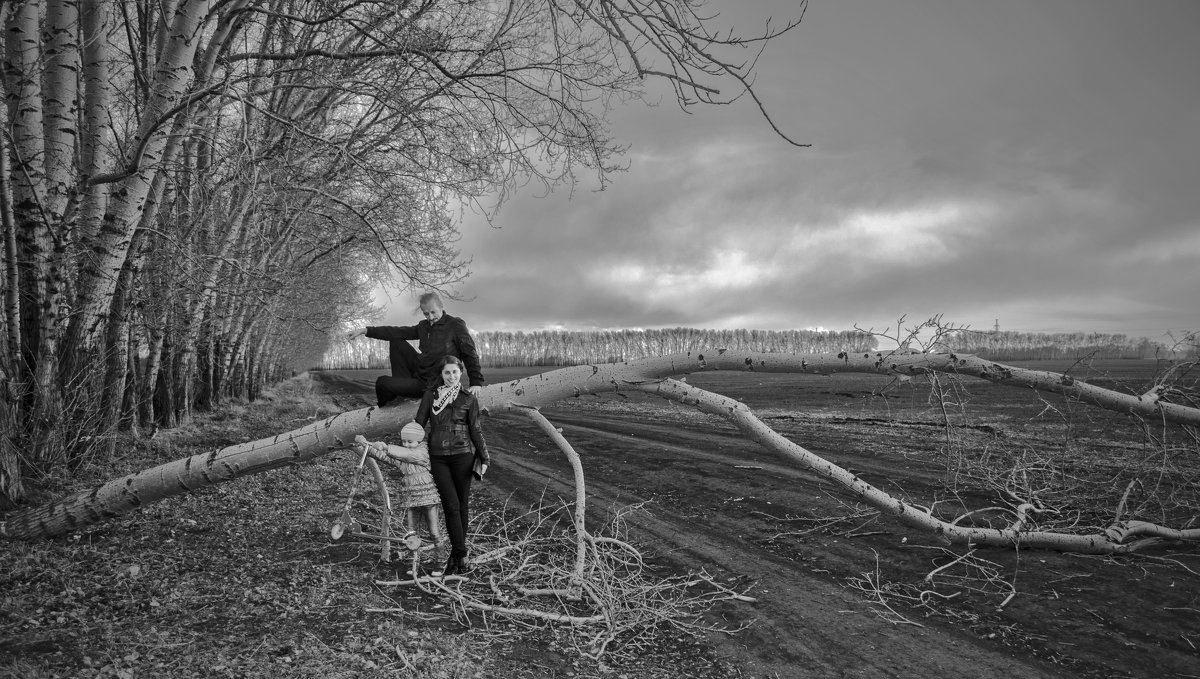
point(725, 448)
point(803, 624)
point(699, 439)
point(698, 447)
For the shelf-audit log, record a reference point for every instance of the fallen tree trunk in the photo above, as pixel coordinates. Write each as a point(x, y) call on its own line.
point(301, 445)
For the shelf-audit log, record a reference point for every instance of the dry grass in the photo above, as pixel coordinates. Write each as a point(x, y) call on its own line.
point(242, 580)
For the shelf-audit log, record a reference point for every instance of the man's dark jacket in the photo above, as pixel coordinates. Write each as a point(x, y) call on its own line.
point(447, 337)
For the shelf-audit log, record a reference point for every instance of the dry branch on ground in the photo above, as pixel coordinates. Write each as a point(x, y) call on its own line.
point(527, 574)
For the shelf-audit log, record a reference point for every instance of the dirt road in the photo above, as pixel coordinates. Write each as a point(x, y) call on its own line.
point(715, 501)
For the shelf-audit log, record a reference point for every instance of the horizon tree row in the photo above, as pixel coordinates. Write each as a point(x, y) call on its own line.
point(1014, 345)
point(500, 349)
point(504, 348)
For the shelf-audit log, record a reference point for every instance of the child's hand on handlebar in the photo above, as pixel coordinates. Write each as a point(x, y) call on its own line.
point(376, 449)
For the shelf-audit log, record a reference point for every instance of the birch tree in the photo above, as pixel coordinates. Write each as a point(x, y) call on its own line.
point(179, 172)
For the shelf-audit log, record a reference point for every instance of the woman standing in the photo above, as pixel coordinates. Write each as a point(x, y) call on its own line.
point(455, 441)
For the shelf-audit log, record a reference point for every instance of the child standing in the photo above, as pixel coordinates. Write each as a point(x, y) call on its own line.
point(418, 495)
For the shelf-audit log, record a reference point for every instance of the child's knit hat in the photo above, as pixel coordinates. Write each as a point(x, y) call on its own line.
point(412, 430)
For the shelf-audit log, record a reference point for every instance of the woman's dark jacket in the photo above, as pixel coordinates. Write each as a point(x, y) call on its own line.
point(447, 337)
point(456, 429)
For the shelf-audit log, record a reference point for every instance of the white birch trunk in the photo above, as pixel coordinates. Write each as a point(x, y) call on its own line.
point(61, 104)
point(31, 206)
point(60, 123)
point(95, 134)
point(12, 281)
point(172, 76)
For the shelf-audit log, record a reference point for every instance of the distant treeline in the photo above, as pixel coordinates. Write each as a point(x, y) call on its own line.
point(502, 349)
point(1032, 346)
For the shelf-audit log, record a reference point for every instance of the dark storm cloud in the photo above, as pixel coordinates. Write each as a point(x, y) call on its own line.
point(1029, 162)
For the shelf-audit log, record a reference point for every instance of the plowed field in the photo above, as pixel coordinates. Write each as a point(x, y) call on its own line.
point(839, 588)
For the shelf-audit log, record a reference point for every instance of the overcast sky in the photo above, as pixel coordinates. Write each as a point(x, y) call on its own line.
point(1028, 162)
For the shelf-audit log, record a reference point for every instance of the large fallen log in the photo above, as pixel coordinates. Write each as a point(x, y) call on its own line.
point(121, 495)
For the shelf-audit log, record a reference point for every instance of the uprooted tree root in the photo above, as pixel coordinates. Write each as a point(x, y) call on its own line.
point(526, 575)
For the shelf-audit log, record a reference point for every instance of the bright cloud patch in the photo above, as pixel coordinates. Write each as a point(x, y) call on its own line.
point(724, 271)
point(919, 231)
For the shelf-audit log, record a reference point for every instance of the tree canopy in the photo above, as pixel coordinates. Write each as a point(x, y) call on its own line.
point(196, 193)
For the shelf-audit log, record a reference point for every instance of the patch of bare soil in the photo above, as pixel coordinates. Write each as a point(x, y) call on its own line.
point(243, 580)
point(850, 598)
